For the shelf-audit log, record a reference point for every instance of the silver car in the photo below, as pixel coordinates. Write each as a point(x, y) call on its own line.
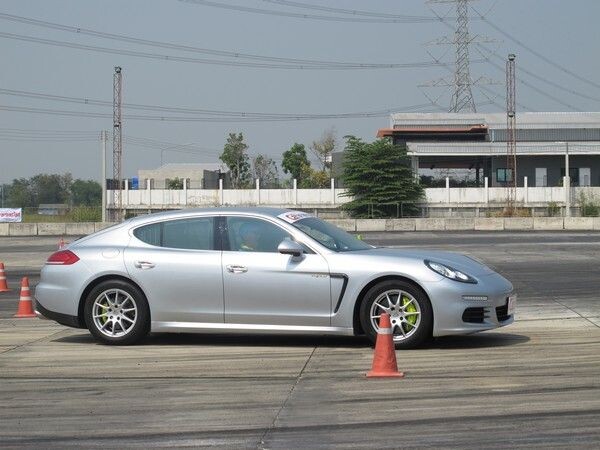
point(263, 270)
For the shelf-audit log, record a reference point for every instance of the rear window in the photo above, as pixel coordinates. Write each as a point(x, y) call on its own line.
point(191, 234)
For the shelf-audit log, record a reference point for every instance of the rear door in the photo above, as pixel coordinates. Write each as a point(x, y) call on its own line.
point(265, 287)
point(178, 265)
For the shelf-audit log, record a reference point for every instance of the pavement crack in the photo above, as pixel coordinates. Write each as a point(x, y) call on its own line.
point(261, 443)
point(48, 336)
point(574, 311)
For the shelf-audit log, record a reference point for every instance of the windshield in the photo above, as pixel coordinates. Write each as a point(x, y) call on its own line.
point(330, 236)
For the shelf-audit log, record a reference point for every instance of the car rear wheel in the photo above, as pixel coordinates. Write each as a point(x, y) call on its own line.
point(409, 309)
point(116, 312)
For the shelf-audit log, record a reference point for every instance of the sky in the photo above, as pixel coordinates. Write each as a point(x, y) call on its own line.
point(556, 36)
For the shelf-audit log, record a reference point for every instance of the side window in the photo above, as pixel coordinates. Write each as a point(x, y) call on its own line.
point(254, 235)
point(193, 234)
point(150, 234)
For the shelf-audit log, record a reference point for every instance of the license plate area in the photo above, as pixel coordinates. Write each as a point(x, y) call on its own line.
point(512, 305)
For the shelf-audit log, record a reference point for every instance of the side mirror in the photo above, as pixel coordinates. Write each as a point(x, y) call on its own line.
point(289, 247)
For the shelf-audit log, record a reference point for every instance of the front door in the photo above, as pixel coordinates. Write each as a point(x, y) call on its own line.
point(585, 178)
point(541, 177)
point(179, 269)
point(265, 287)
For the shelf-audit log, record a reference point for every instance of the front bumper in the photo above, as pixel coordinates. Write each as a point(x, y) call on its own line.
point(461, 308)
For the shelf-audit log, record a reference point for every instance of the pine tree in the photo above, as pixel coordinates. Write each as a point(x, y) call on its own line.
point(379, 178)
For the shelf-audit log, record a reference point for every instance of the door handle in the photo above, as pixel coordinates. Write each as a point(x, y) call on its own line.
point(236, 269)
point(144, 265)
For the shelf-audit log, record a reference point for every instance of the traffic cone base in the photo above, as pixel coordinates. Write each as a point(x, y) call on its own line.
point(3, 284)
point(25, 308)
point(384, 360)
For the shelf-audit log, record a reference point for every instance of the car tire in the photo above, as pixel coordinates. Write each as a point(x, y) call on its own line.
point(116, 312)
point(409, 308)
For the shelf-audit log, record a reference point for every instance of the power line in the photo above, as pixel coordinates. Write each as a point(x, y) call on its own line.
point(44, 139)
point(272, 12)
point(242, 115)
point(519, 80)
point(166, 118)
point(535, 52)
point(161, 145)
point(503, 97)
point(163, 57)
point(543, 79)
point(34, 132)
point(536, 89)
point(353, 12)
point(185, 48)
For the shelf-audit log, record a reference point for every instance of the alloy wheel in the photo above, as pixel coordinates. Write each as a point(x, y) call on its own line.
point(404, 311)
point(114, 313)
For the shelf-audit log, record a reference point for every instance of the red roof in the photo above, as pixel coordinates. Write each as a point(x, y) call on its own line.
point(386, 132)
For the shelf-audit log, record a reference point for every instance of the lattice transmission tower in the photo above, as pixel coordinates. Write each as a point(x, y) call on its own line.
point(117, 145)
point(462, 82)
point(462, 98)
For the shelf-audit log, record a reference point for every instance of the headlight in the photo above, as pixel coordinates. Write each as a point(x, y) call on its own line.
point(449, 272)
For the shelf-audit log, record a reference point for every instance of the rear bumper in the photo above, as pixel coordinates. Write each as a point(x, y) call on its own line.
point(63, 319)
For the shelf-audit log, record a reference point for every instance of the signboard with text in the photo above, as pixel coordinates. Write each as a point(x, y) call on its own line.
point(11, 214)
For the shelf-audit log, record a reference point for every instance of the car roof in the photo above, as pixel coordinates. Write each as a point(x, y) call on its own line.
point(261, 210)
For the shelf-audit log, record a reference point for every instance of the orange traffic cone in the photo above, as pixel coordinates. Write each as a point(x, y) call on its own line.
point(384, 360)
point(25, 308)
point(3, 285)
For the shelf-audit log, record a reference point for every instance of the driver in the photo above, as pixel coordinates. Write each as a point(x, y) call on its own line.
point(250, 234)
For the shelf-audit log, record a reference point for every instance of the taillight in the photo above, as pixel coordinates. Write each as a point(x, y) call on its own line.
point(63, 258)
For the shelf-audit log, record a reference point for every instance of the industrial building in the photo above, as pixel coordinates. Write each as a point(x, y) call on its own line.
point(196, 176)
point(547, 143)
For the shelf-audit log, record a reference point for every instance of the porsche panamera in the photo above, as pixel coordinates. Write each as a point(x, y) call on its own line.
point(263, 270)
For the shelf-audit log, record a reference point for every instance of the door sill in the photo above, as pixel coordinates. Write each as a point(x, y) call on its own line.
point(199, 327)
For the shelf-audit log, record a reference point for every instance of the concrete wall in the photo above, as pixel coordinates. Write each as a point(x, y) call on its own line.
point(356, 225)
point(452, 197)
point(166, 198)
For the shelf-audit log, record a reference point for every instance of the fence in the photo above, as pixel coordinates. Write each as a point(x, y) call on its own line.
point(439, 202)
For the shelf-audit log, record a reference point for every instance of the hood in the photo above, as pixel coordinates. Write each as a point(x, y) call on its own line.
point(455, 260)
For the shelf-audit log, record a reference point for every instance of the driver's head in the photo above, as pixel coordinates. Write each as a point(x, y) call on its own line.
point(250, 233)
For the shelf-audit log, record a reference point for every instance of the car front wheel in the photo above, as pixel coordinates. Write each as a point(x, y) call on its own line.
point(409, 309)
point(116, 312)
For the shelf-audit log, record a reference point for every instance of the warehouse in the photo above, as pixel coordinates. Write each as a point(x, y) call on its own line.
point(547, 143)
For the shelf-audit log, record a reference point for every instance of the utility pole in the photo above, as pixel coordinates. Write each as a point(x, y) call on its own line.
point(567, 181)
point(511, 135)
point(103, 139)
point(117, 145)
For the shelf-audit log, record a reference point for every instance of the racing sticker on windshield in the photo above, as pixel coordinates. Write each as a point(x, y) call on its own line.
point(293, 216)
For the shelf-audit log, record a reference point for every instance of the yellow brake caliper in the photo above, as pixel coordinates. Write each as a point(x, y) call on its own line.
point(104, 317)
point(412, 318)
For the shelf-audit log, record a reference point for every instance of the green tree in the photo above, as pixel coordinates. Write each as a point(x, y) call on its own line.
point(19, 194)
point(86, 193)
point(175, 183)
point(323, 149)
point(295, 162)
point(51, 188)
point(317, 179)
point(378, 176)
point(265, 170)
point(235, 157)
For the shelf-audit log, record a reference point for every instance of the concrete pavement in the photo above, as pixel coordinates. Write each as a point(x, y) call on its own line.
point(534, 384)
